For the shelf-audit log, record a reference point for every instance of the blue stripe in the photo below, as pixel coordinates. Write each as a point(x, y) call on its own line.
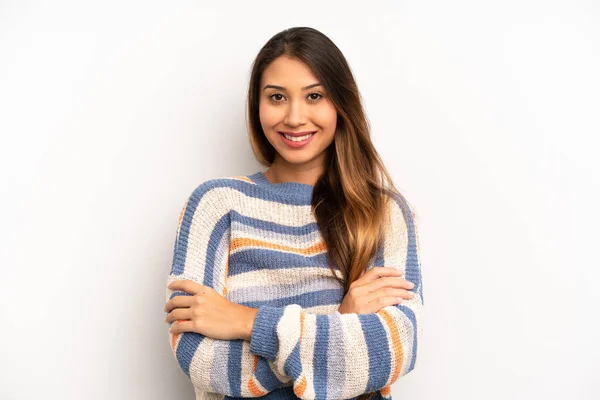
point(188, 343)
point(265, 375)
point(411, 316)
point(250, 259)
point(413, 273)
point(310, 299)
point(283, 393)
point(263, 340)
point(273, 226)
point(320, 356)
point(293, 365)
point(379, 353)
point(234, 367)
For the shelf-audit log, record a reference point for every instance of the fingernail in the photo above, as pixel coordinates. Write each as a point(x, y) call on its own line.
point(412, 285)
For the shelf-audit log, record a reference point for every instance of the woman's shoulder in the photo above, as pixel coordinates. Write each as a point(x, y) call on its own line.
point(213, 191)
point(397, 200)
point(221, 191)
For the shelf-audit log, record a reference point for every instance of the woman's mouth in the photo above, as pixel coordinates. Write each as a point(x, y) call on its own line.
point(297, 141)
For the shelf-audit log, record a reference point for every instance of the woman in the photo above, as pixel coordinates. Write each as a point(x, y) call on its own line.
point(302, 281)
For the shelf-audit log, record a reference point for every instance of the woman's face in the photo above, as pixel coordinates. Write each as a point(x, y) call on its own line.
point(292, 100)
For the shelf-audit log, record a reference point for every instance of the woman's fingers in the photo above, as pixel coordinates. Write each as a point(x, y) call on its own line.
point(385, 296)
point(179, 314)
point(379, 303)
point(389, 292)
point(376, 273)
point(395, 282)
point(179, 301)
point(179, 308)
point(182, 326)
point(379, 272)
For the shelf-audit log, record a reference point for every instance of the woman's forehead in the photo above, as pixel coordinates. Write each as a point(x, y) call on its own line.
point(289, 73)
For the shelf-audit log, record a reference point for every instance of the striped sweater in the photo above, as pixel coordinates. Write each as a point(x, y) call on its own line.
point(258, 244)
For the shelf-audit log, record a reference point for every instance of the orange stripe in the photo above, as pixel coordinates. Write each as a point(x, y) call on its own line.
point(242, 178)
point(181, 216)
point(252, 386)
point(254, 389)
point(300, 387)
point(238, 243)
point(226, 275)
point(174, 337)
point(396, 343)
point(301, 325)
point(385, 392)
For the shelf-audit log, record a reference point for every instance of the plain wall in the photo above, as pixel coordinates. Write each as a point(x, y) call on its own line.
point(485, 113)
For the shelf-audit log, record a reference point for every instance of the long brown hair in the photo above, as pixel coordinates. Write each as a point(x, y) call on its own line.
point(351, 197)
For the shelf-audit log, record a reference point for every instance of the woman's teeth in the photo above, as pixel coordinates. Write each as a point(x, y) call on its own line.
point(297, 139)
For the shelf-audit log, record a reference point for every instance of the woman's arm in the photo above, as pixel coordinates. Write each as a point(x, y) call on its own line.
point(201, 253)
point(344, 355)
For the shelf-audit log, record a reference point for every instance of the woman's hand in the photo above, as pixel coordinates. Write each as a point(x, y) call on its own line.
point(379, 287)
point(208, 313)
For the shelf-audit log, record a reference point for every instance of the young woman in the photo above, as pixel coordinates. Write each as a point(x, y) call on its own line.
point(302, 281)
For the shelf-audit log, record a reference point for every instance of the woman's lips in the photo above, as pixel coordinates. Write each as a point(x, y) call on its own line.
point(297, 133)
point(296, 145)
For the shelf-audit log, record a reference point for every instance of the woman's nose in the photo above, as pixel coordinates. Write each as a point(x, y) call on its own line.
point(296, 114)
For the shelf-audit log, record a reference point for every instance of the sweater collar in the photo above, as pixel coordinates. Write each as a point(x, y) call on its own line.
point(288, 190)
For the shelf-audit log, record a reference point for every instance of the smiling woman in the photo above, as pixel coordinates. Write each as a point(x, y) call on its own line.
point(302, 281)
point(295, 115)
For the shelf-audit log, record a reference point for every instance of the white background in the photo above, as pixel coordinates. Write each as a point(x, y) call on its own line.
point(485, 112)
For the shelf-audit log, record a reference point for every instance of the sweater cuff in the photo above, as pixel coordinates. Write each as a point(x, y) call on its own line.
point(263, 340)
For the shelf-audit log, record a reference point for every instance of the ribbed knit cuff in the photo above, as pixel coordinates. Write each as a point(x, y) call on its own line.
point(263, 340)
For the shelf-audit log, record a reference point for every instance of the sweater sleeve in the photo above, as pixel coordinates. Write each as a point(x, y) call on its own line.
point(201, 254)
point(339, 356)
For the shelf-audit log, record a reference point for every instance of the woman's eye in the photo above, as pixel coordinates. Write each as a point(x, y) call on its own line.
point(317, 94)
point(278, 97)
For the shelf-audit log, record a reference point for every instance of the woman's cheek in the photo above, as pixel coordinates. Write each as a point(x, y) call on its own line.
point(326, 119)
point(269, 117)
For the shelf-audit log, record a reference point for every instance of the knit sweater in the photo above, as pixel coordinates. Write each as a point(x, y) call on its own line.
point(257, 243)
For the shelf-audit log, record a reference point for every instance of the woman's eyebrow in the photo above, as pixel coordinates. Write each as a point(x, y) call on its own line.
point(282, 88)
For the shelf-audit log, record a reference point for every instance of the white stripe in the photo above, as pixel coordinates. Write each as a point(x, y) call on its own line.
point(268, 292)
point(275, 277)
point(288, 332)
point(201, 363)
point(307, 353)
point(248, 371)
point(357, 356)
point(279, 213)
point(395, 245)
